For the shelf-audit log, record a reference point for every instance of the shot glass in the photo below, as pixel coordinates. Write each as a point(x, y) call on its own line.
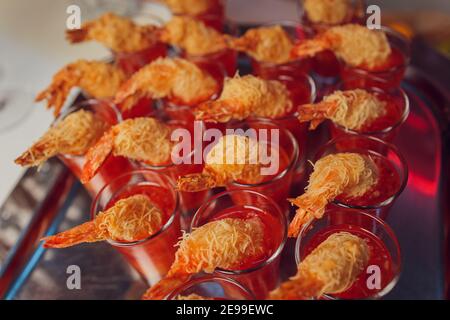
point(113, 165)
point(385, 255)
point(212, 288)
point(261, 276)
point(281, 156)
point(298, 67)
point(389, 75)
point(153, 256)
point(387, 126)
point(392, 172)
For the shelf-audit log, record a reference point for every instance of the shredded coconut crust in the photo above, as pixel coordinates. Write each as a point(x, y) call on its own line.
point(351, 174)
point(179, 80)
point(247, 96)
point(190, 7)
point(233, 158)
point(266, 44)
point(117, 33)
point(142, 139)
point(131, 219)
point(193, 36)
point(350, 109)
point(357, 45)
point(97, 79)
point(73, 135)
point(327, 11)
point(332, 267)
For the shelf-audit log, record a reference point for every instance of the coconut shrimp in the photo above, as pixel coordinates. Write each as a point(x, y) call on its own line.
point(357, 45)
point(142, 139)
point(190, 7)
point(247, 96)
point(130, 219)
point(73, 135)
point(266, 44)
point(117, 33)
point(177, 79)
point(218, 244)
point(332, 267)
point(329, 12)
point(350, 109)
point(98, 79)
point(351, 174)
point(193, 36)
point(233, 158)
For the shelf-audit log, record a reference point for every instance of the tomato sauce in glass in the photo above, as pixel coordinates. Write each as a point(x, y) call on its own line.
point(133, 61)
point(379, 256)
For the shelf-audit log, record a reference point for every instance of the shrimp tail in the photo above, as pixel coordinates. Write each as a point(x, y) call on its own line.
point(218, 111)
point(300, 287)
point(86, 232)
point(306, 212)
point(309, 48)
point(77, 35)
point(196, 182)
point(97, 155)
point(316, 113)
point(39, 152)
point(164, 287)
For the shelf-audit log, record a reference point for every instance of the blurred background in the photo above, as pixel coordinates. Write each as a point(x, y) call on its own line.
point(32, 48)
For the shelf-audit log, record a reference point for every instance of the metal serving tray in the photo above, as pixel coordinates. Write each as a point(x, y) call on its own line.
point(56, 202)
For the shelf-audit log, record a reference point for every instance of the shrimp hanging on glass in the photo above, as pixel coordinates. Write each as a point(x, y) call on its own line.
point(350, 109)
point(97, 79)
point(141, 139)
point(131, 219)
point(244, 97)
point(221, 244)
point(332, 267)
point(351, 174)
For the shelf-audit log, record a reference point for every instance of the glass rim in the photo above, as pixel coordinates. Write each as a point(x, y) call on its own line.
point(401, 120)
point(78, 106)
point(209, 278)
point(407, 55)
point(385, 226)
point(292, 160)
point(404, 168)
point(95, 207)
point(276, 252)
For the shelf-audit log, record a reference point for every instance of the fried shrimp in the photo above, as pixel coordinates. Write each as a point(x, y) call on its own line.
point(141, 139)
point(177, 79)
point(357, 45)
point(193, 36)
point(332, 267)
point(98, 79)
point(233, 158)
point(266, 44)
point(73, 135)
point(350, 109)
point(130, 219)
point(351, 174)
point(116, 33)
point(190, 7)
point(327, 11)
point(247, 96)
point(218, 244)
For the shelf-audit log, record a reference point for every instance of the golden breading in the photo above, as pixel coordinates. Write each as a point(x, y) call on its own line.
point(327, 11)
point(142, 139)
point(73, 135)
point(130, 219)
point(117, 33)
point(190, 7)
point(357, 45)
point(350, 109)
point(232, 158)
point(266, 44)
point(193, 36)
point(97, 79)
point(177, 79)
point(221, 244)
point(247, 96)
point(332, 267)
point(351, 174)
